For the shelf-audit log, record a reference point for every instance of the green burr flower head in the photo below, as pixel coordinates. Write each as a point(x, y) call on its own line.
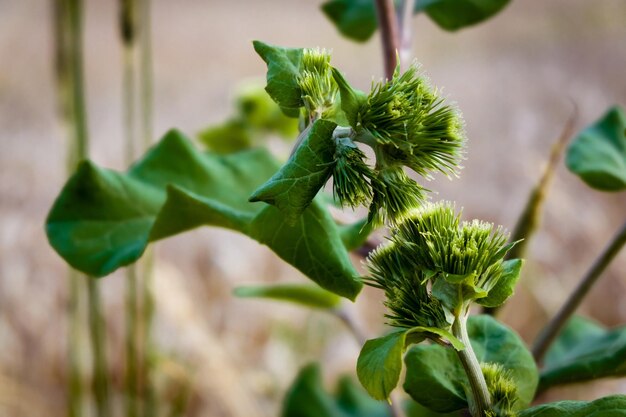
point(411, 123)
point(319, 89)
point(436, 240)
point(407, 297)
point(351, 175)
point(502, 389)
point(394, 196)
point(435, 265)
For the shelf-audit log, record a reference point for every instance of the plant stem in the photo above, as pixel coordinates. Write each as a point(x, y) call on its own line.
point(481, 398)
point(128, 33)
point(97, 333)
point(549, 333)
point(69, 14)
point(64, 95)
point(385, 11)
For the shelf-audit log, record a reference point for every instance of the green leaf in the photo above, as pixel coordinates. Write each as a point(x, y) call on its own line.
point(355, 19)
point(584, 351)
point(355, 235)
point(308, 398)
point(613, 406)
point(283, 68)
point(414, 409)
point(351, 100)
point(257, 110)
point(295, 185)
point(380, 363)
point(435, 377)
point(228, 137)
point(598, 154)
point(505, 286)
point(453, 15)
point(103, 219)
point(452, 296)
point(303, 294)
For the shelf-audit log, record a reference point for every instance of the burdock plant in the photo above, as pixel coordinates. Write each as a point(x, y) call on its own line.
point(432, 270)
point(404, 120)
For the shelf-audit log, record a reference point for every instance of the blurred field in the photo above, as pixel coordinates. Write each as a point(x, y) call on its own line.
point(515, 79)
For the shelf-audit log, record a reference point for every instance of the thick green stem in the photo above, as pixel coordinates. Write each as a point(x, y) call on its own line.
point(549, 333)
point(481, 400)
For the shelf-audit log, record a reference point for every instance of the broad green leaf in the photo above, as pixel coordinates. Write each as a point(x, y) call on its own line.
point(356, 402)
point(355, 19)
point(354, 235)
point(414, 409)
point(228, 137)
point(351, 100)
point(308, 398)
point(283, 68)
point(380, 363)
point(613, 406)
point(598, 154)
point(505, 286)
point(103, 219)
point(295, 185)
point(304, 294)
point(585, 351)
point(456, 14)
point(435, 377)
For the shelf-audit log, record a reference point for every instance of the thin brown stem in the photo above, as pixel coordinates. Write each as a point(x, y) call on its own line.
point(389, 33)
point(551, 331)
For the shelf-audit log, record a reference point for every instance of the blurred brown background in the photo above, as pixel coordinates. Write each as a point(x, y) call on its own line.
point(515, 79)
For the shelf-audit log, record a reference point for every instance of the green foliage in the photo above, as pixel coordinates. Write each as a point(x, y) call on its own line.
point(103, 220)
point(355, 235)
point(307, 398)
point(440, 370)
point(598, 154)
point(584, 351)
point(380, 364)
point(613, 406)
point(283, 70)
point(256, 116)
point(295, 185)
point(453, 15)
point(303, 294)
point(414, 409)
point(380, 361)
point(228, 137)
point(506, 284)
point(356, 19)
